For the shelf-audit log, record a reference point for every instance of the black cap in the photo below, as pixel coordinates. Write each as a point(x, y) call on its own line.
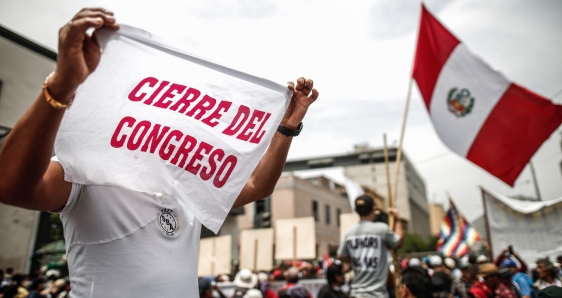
point(364, 205)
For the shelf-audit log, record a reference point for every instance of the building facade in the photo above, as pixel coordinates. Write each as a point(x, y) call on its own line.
point(436, 215)
point(293, 197)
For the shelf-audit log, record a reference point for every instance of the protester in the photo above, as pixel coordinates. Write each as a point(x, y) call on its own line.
point(491, 285)
point(110, 229)
point(36, 288)
point(7, 278)
point(263, 280)
point(292, 289)
point(205, 288)
point(548, 275)
point(335, 277)
point(523, 282)
point(244, 280)
point(373, 239)
point(506, 279)
point(416, 283)
point(469, 274)
point(441, 284)
point(506, 255)
point(253, 293)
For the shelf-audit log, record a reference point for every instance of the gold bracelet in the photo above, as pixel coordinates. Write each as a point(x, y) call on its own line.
point(53, 102)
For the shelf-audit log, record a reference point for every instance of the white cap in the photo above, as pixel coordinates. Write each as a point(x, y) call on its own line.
point(481, 259)
point(414, 262)
point(435, 261)
point(450, 263)
point(253, 293)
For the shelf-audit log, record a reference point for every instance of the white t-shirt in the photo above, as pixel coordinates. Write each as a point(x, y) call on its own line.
point(123, 243)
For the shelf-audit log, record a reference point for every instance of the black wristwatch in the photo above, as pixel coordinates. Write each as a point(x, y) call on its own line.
point(289, 132)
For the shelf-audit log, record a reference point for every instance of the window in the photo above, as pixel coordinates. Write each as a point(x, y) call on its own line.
point(328, 214)
point(315, 211)
point(338, 213)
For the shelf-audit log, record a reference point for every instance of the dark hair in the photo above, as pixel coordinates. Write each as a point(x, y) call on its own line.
point(441, 282)
point(36, 283)
point(364, 205)
point(18, 278)
point(9, 270)
point(418, 281)
point(548, 265)
point(333, 271)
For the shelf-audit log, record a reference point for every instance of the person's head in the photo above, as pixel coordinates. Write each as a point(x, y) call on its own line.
point(37, 284)
point(19, 279)
point(441, 283)
point(490, 274)
point(246, 279)
point(450, 263)
point(545, 268)
point(416, 283)
point(482, 259)
point(9, 271)
point(205, 288)
point(435, 262)
point(559, 259)
point(334, 275)
point(505, 276)
point(470, 273)
point(292, 275)
point(414, 262)
point(510, 264)
point(365, 206)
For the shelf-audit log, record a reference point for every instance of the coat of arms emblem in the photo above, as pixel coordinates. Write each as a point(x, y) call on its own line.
point(168, 222)
point(460, 102)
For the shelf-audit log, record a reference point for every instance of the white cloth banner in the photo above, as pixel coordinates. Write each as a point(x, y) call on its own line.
point(154, 119)
point(354, 190)
point(533, 228)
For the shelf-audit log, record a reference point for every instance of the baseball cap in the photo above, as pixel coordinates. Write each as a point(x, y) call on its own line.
point(364, 204)
point(508, 263)
point(435, 261)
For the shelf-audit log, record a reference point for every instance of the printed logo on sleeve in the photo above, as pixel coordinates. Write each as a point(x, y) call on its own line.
point(168, 222)
point(365, 252)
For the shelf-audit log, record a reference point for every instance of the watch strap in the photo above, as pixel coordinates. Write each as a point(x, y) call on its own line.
point(289, 132)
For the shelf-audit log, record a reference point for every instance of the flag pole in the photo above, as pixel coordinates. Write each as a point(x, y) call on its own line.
point(399, 151)
point(391, 204)
point(486, 224)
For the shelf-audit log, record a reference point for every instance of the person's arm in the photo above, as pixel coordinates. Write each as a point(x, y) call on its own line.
point(501, 256)
point(343, 253)
point(398, 230)
point(27, 177)
point(266, 174)
point(523, 268)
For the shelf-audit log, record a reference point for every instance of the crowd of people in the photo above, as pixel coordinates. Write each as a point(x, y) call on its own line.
point(431, 276)
point(44, 284)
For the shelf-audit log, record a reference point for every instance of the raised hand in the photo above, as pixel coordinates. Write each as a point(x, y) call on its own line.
point(303, 96)
point(79, 53)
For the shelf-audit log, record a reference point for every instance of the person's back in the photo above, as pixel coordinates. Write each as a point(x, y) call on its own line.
point(367, 246)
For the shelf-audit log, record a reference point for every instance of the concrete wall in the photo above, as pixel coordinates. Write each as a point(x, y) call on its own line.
point(22, 73)
point(17, 237)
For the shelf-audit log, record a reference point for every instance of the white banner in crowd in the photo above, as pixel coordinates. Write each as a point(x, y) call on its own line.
point(154, 119)
point(533, 228)
point(215, 256)
point(354, 190)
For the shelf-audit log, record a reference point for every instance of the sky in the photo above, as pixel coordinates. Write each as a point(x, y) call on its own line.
point(360, 57)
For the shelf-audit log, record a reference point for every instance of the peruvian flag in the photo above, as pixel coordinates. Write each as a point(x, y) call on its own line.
point(476, 111)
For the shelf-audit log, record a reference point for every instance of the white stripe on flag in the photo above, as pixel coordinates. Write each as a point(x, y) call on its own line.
point(464, 70)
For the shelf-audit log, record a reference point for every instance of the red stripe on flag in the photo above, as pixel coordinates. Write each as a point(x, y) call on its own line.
point(435, 45)
point(515, 129)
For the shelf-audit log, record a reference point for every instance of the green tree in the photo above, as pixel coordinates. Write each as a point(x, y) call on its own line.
point(415, 243)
